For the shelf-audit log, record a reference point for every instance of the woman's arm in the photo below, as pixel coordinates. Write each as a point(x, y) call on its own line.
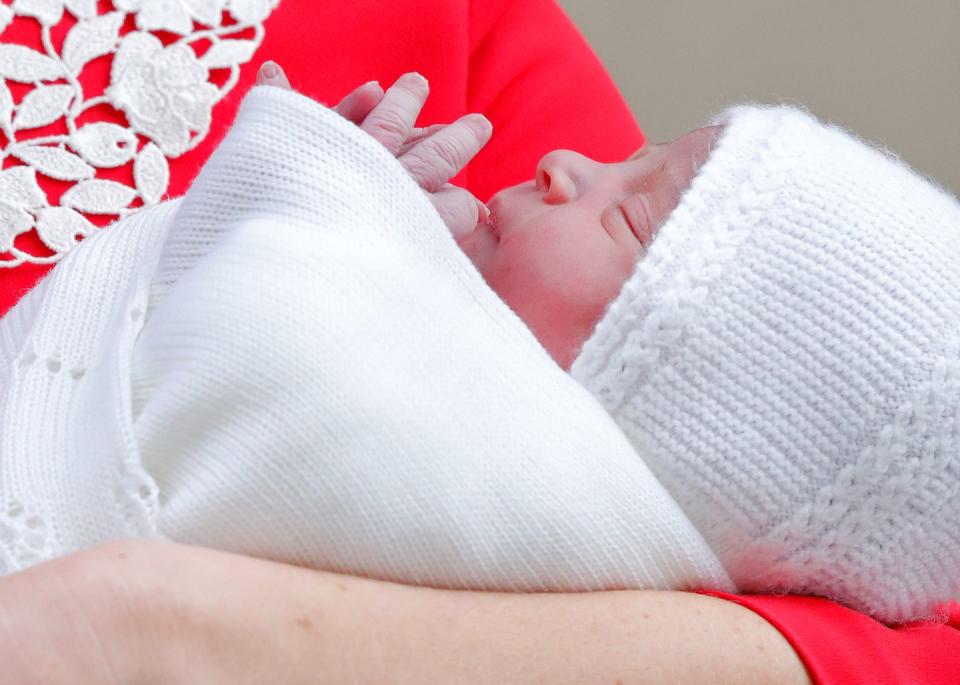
point(184, 614)
point(328, 628)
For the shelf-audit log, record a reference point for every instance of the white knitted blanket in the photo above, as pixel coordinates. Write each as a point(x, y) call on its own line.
point(295, 361)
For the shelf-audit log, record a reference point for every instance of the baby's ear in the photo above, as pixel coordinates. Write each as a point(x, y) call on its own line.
point(271, 74)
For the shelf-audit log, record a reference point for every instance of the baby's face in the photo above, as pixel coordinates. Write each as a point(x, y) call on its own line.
point(559, 248)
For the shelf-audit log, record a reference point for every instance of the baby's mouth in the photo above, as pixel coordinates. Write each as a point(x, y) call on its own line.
point(489, 222)
point(492, 223)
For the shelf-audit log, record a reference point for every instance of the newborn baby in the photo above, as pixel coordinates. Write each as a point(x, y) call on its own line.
point(558, 248)
point(776, 331)
point(301, 364)
point(770, 310)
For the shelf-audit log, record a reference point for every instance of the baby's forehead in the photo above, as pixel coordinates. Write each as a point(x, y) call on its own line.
point(708, 131)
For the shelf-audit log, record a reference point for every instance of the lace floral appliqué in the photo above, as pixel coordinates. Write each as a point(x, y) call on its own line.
point(163, 90)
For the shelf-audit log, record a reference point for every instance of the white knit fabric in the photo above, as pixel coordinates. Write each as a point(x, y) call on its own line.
point(296, 361)
point(786, 358)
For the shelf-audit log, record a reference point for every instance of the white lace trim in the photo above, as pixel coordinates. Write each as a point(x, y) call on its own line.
point(164, 92)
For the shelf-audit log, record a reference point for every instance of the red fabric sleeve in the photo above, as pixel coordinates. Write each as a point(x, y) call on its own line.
point(840, 646)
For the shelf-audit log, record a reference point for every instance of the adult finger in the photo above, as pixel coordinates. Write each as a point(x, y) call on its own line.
point(271, 74)
point(458, 208)
point(419, 134)
point(392, 120)
point(438, 158)
point(358, 104)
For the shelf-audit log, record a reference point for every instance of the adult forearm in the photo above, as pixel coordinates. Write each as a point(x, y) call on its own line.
point(221, 618)
point(74, 620)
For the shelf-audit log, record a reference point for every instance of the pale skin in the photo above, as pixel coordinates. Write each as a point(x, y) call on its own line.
point(137, 611)
point(558, 248)
point(134, 612)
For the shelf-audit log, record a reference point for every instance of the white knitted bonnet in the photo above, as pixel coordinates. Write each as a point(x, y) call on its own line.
point(786, 357)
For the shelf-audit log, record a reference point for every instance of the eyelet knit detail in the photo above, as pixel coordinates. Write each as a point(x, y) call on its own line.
point(23, 537)
point(70, 474)
point(136, 495)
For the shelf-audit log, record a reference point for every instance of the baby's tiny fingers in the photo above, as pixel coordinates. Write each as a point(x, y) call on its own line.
point(439, 157)
point(358, 104)
point(458, 208)
point(391, 121)
point(419, 134)
point(271, 74)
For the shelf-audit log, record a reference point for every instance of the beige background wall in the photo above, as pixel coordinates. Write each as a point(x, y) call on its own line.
point(888, 69)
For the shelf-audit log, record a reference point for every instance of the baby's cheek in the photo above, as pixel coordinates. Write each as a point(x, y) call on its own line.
point(596, 289)
point(559, 291)
point(579, 294)
point(601, 282)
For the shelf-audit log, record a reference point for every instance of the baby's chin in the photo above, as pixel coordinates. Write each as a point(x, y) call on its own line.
point(480, 245)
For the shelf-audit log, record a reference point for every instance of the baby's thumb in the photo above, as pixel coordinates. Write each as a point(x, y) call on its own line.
point(271, 74)
point(458, 208)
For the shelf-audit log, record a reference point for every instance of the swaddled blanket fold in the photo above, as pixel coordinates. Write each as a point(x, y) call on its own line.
point(295, 361)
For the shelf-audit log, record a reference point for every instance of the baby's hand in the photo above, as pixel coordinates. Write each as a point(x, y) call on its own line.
point(432, 154)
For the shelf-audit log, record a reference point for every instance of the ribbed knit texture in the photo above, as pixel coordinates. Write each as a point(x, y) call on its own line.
point(69, 472)
point(786, 358)
point(296, 361)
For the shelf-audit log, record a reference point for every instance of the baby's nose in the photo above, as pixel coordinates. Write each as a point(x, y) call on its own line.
point(563, 175)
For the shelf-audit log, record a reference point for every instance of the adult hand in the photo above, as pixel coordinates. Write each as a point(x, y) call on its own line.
point(432, 155)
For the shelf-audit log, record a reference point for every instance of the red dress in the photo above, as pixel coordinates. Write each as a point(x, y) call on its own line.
point(526, 67)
